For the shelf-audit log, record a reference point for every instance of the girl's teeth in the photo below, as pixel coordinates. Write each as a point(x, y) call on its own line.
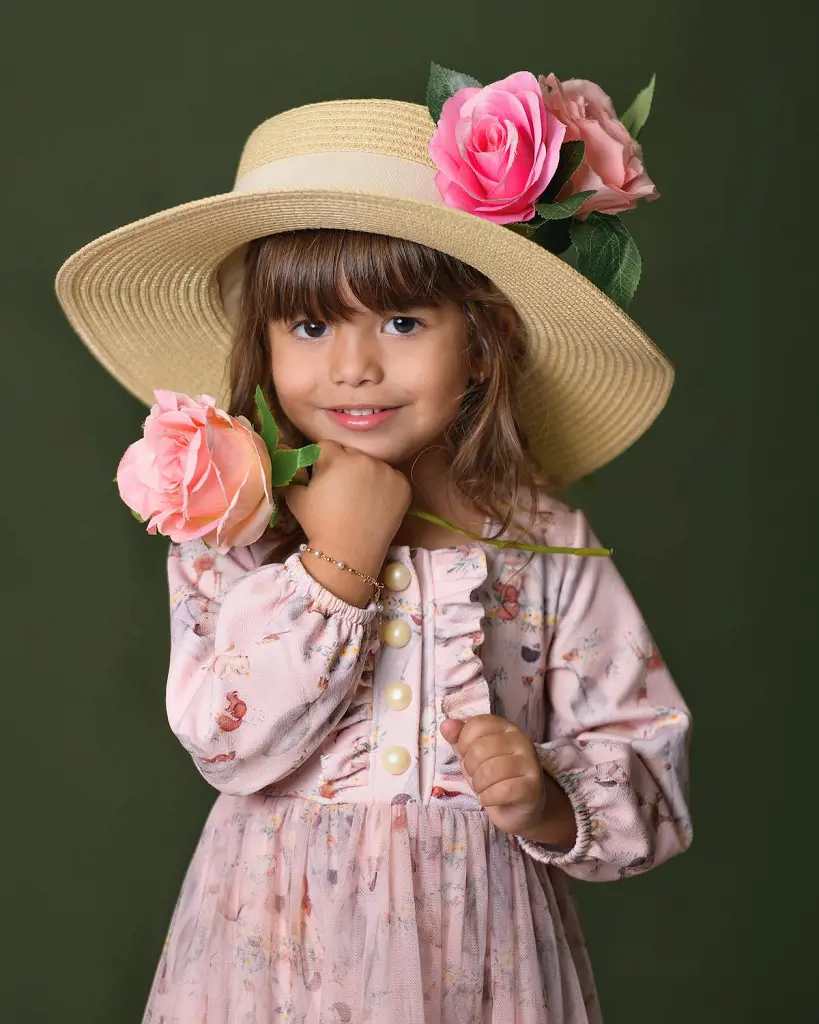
point(360, 412)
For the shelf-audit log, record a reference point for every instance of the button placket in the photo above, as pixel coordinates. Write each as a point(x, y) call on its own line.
point(396, 685)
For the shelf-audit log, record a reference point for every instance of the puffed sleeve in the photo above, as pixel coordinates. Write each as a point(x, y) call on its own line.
point(619, 730)
point(263, 665)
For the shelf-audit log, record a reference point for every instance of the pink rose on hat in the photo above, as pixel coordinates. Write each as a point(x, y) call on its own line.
point(613, 160)
point(497, 148)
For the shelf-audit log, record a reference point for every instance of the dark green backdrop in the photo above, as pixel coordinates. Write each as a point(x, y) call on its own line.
point(111, 112)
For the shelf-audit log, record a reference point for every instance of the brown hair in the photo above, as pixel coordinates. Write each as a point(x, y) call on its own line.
point(302, 273)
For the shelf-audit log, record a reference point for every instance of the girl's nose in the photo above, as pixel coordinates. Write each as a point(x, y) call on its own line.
point(355, 357)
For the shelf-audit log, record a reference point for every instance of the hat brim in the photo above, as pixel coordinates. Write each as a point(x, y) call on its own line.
point(145, 300)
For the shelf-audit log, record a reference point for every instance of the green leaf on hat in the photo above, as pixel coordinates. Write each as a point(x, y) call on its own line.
point(607, 255)
point(269, 431)
point(527, 228)
point(286, 462)
point(443, 83)
point(274, 516)
point(571, 157)
point(637, 114)
point(138, 517)
point(565, 207)
point(549, 234)
point(554, 236)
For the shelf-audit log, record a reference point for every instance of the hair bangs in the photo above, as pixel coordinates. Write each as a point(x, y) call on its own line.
point(315, 274)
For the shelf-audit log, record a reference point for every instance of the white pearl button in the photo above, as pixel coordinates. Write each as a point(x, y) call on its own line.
point(396, 576)
point(396, 633)
point(396, 760)
point(398, 696)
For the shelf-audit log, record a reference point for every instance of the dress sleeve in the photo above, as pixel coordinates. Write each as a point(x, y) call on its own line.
point(618, 734)
point(264, 663)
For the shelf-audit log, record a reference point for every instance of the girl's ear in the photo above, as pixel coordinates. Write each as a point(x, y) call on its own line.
point(508, 320)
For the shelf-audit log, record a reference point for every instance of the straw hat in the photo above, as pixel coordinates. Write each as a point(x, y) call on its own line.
point(155, 300)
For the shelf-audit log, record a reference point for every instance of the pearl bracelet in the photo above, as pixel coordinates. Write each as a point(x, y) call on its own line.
point(378, 587)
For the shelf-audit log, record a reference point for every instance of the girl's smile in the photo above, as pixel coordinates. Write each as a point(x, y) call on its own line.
point(357, 418)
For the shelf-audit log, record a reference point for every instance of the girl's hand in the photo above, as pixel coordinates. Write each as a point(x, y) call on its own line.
point(351, 509)
point(503, 769)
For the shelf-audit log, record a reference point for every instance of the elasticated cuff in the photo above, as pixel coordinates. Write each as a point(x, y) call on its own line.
point(323, 600)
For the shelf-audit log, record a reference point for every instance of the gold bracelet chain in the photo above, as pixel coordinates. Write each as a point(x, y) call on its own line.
point(377, 587)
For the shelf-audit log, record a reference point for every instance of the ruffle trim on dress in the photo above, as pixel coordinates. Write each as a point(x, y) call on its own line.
point(462, 691)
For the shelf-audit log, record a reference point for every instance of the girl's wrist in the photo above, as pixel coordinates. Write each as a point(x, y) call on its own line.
point(558, 824)
point(351, 579)
point(357, 552)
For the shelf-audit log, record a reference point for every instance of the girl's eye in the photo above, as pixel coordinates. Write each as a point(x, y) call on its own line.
point(404, 324)
point(314, 329)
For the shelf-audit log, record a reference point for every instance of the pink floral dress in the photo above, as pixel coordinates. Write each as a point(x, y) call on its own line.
point(346, 872)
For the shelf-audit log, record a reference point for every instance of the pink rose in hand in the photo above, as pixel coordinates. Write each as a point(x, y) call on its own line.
point(497, 149)
point(198, 472)
point(613, 161)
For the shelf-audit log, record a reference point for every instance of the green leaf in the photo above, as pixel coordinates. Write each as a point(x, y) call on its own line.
point(288, 461)
point(274, 516)
point(554, 236)
point(527, 228)
point(607, 255)
point(138, 517)
point(269, 431)
point(637, 114)
point(443, 83)
point(571, 157)
point(565, 207)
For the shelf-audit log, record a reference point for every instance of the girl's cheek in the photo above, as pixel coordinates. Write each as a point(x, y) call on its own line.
point(292, 377)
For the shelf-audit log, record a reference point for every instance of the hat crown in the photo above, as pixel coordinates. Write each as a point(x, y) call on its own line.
point(383, 127)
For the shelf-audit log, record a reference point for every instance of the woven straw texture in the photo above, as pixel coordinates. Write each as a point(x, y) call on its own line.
point(145, 298)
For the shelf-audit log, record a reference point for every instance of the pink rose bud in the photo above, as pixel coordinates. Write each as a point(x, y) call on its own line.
point(497, 149)
point(613, 161)
point(198, 472)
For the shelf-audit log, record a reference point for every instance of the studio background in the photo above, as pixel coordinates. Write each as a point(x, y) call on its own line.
point(111, 112)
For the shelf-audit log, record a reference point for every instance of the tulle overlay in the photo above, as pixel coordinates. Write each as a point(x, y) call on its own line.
point(297, 911)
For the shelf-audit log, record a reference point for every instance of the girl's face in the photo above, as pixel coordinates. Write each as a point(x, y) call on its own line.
point(388, 385)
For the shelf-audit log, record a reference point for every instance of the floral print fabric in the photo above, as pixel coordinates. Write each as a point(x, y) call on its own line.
point(328, 887)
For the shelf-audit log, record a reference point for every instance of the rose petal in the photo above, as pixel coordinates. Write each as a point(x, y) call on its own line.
point(249, 513)
point(604, 154)
point(591, 94)
point(134, 479)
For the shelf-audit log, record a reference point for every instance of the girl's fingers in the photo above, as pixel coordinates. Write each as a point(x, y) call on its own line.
point(478, 727)
point(485, 748)
point(508, 791)
point(294, 497)
point(495, 770)
point(451, 729)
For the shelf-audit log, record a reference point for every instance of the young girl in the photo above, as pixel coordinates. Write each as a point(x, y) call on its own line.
point(417, 750)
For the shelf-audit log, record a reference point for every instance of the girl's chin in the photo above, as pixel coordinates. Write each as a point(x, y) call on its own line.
point(376, 443)
point(380, 448)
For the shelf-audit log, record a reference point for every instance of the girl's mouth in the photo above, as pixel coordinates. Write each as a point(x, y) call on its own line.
point(361, 418)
